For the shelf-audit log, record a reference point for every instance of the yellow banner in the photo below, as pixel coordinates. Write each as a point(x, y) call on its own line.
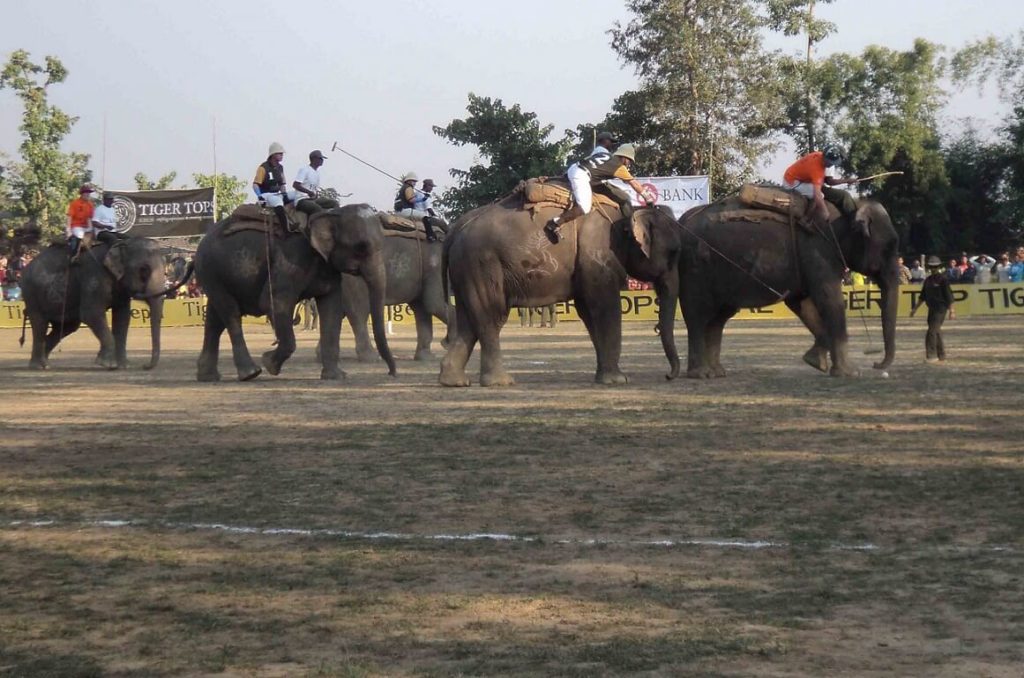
point(995, 299)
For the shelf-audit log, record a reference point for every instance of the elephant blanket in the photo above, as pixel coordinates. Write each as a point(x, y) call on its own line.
point(258, 218)
point(552, 192)
point(398, 226)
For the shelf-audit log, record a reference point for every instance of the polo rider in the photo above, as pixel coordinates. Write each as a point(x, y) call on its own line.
point(80, 212)
point(307, 186)
point(104, 220)
point(406, 203)
point(808, 176)
point(269, 185)
point(596, 171)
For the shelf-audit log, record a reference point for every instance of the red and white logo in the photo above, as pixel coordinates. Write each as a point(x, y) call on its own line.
point(652, 189)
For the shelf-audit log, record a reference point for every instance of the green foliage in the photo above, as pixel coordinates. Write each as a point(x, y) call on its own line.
point(1012, 153)
point(977, 176)
point(709, 100)
point(229, 191)
point(1001, 60)
point(882, 106)
point(46, 179)
point(143, 183)
point(512, 143)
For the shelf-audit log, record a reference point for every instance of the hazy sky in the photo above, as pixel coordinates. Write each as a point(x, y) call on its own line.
point(372, 76)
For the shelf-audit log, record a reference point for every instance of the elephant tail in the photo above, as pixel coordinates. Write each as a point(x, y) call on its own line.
point(24, 323)
point(189, 271)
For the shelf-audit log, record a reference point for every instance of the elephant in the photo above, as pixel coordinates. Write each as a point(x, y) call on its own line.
point(252, 272)
point(728, 265)
point(60, 295)
point(498, 257)
point(413, 277)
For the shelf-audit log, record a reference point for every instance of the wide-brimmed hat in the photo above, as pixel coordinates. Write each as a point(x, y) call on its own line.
point(274, 149)
point(626, 151)
point(933, 262)
point(409, 176)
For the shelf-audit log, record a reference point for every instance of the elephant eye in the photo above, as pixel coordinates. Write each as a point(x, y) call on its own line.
point(361, 250)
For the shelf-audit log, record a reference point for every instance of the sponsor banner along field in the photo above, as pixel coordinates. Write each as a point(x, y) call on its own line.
point(971, 300)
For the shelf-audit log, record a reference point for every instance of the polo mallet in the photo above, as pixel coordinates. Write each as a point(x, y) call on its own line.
point(870, 350)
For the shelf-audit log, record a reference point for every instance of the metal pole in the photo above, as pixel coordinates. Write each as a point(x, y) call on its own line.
point(215, 168)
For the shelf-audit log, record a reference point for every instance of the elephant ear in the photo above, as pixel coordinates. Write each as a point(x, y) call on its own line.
point(114, 262)
point(862, 220)
point(641, 229)
point(321, 237)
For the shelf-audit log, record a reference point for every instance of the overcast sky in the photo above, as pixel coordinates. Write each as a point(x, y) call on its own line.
point(371, 76)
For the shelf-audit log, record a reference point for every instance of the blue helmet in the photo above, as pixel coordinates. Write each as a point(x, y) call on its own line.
point(833, 155)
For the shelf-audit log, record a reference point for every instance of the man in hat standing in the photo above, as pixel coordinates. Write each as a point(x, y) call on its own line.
point(938, 295)
point(406, 203)
point(269, 185)
point(307, 186)
point(80, 212)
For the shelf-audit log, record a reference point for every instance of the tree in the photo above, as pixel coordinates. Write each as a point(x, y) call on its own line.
point(46, 179)
point(1002, 60)
point(796, 17)
point(513, 144)
point(143, 183)
point(882, 106)
point(1012, 151)
point(229, 191)
point(977, 204)
point(709, 100)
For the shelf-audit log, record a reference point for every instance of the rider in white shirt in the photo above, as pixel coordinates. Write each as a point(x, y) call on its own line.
point(307, 186)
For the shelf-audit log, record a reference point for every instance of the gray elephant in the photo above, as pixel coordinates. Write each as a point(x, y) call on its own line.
point(498, 257)
point(729, 264)
point(413, 277)
point(60, 296)
point(246, 271)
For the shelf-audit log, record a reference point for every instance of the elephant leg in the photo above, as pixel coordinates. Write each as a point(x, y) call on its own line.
point(57, 334)
point(96, 319)
point(121, 316)
point(226, 308)
point(40, 353)
point(436, 305)
point(274, 359)
point(453, 365)
point(213, 327)
point(697, 315)
point(828, 299)
point(492, 368)
point(329, 306)
point(424, 331)
point(817, 355)
point(713, 340)
point(598, 306)
point(357, 311)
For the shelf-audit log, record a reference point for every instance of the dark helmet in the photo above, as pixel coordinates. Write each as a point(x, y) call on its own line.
point(833, 156)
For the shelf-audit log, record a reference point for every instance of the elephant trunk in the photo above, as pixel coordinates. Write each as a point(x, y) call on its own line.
point(373, 274)
point(156, 313)
point(668, 296)
point(889, 284)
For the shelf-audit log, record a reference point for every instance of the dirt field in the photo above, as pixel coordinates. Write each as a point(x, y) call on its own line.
point(776, 522)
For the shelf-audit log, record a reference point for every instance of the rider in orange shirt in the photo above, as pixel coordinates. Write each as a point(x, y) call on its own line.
point(80, 212)
point(808, 176)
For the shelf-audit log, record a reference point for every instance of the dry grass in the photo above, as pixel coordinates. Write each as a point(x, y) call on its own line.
point(926, 465)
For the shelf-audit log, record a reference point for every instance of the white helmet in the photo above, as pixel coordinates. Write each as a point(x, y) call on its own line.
point(626, 151)
point(274, 149)
point(409, 176)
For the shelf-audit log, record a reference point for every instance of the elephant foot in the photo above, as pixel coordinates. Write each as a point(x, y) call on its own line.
point(700, 373)
point(817, 359)
point(611, 378)
point(367, 356)
point(497, 378)
point(843, 371)
point(423, 355)
point(717, 371)
point(38, 365)
point(273, 367)
point(108, 364)
point(452, 379)
point(208, 376)
point(336, 374)
point(122, 364)
point(250, 374)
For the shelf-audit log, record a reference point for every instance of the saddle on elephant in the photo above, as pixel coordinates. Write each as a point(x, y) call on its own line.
point(253, 217)
point(760, 202)
point(398, 226)
point(554, 193)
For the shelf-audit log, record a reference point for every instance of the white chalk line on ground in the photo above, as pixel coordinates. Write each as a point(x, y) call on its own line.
point(483, 536)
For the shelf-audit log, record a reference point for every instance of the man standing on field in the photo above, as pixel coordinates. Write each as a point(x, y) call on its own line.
point(937, 293)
